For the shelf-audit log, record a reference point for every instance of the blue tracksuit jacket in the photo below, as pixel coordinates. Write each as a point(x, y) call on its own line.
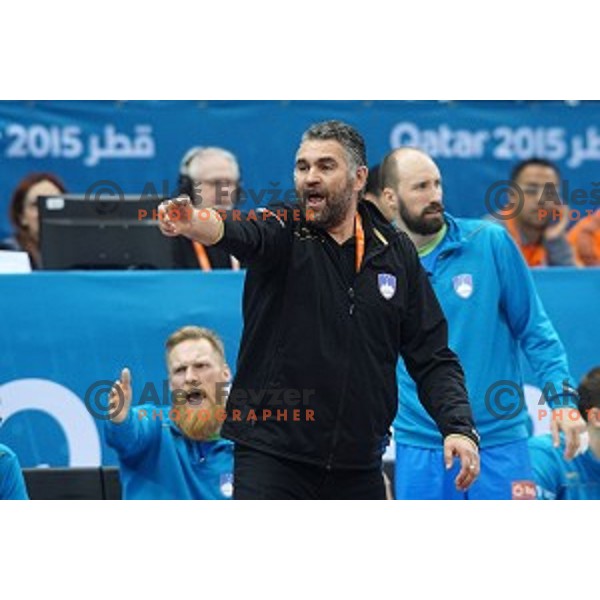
point(494, 314)
point(157, 462)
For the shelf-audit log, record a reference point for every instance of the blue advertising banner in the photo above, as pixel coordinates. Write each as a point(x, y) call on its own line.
point(66, 336)
point(134, 147)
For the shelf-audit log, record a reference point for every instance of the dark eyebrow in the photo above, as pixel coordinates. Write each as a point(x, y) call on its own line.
point(327, 160)
point(320, 161)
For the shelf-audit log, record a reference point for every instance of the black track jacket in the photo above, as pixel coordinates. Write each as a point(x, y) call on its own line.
point(323, 341)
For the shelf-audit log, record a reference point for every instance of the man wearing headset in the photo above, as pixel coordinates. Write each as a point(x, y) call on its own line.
point(211, 177)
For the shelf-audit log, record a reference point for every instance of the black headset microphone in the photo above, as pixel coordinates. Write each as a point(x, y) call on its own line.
point(185, 184)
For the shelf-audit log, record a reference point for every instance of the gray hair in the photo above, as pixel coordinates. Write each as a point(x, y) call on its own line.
point(352, 142)
point(202, 152)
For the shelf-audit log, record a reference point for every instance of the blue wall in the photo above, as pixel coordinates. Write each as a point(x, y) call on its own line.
point(64, 332)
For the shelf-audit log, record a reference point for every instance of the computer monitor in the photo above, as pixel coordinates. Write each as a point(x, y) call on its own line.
point(79, 233)
point(76, 483)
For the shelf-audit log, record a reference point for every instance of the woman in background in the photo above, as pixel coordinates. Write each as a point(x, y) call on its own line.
point(24, 214)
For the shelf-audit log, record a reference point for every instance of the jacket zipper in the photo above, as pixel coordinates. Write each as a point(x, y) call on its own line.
point(351, 294)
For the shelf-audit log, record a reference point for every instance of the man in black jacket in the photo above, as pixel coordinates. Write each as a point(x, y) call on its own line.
point(332, 295)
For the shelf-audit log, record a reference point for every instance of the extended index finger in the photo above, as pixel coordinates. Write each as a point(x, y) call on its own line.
point(126, 377)
point(179, 202)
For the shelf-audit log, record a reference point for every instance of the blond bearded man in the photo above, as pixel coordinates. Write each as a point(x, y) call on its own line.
point(175, 452)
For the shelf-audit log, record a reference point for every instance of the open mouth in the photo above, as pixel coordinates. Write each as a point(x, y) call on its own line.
point(195, 397)
point(314, 199)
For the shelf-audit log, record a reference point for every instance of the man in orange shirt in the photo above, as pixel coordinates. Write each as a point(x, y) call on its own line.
point(541, 239)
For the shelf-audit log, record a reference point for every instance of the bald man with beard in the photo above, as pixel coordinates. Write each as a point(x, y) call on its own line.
point(494, 314)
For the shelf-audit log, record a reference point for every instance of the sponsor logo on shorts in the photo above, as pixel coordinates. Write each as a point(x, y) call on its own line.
point(523, 490)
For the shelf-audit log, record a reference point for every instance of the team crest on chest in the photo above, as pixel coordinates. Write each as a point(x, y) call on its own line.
point(387, 285)
point(463, 285)
point(227, 484)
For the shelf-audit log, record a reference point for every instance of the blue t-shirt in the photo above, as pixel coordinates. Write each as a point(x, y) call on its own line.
point(158, 462)
point(12, 484)
point(559, 479)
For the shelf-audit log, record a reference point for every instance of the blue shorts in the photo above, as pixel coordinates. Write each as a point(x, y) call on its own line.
point(505, 474)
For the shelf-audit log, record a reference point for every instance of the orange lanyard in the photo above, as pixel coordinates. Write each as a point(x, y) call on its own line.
point(202, 257)
point(205, 261)
point(360, 241)
point(360, 249)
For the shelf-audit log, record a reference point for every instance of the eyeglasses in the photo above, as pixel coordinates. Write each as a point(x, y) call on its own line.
point(217, 183)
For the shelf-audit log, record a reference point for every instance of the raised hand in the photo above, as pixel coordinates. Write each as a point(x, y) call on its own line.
point(119, 400)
